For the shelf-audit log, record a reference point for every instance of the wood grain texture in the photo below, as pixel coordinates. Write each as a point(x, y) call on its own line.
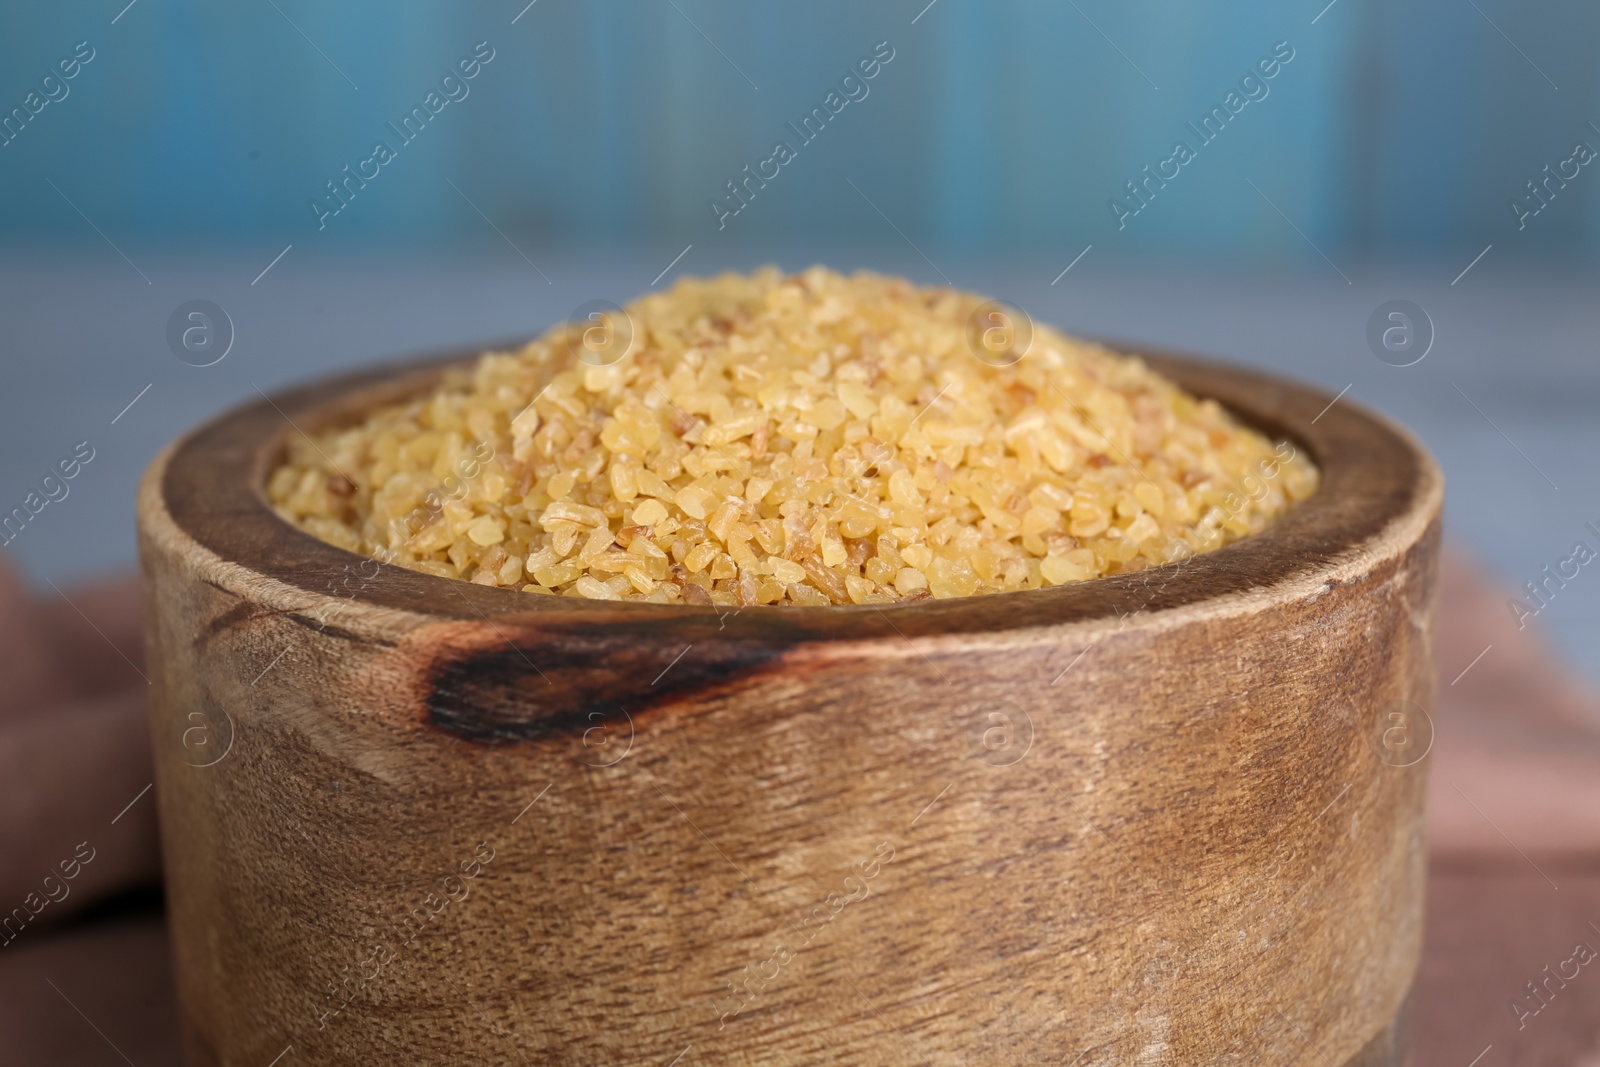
point(1138, 820)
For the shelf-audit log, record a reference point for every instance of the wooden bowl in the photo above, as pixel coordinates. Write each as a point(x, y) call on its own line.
point(1166, 817)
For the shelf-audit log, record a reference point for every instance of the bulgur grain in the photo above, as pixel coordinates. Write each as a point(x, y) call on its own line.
point(792, 439)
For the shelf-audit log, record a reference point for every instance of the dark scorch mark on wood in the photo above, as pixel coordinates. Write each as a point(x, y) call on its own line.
point(535, 685)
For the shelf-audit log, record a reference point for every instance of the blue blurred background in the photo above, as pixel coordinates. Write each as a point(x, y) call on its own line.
point(182, 161)
point(1400, 128)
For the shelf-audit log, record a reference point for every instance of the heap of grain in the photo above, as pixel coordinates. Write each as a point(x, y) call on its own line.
point(792, 439)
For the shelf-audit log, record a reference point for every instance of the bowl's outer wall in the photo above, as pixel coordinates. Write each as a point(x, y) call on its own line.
point(1161, 838)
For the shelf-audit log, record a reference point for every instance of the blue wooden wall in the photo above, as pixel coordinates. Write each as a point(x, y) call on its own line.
point(1401, 128)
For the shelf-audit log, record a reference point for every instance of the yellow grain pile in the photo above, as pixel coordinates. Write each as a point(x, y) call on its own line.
point(812, 438)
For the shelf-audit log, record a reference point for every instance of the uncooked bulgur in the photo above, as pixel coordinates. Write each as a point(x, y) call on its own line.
point(791, 439)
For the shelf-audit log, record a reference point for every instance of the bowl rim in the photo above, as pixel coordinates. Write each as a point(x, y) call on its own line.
point(1379, 487)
